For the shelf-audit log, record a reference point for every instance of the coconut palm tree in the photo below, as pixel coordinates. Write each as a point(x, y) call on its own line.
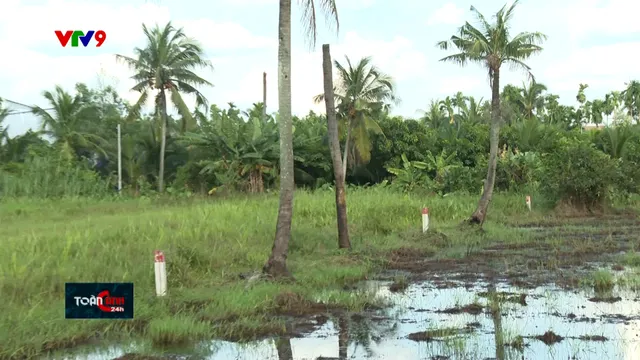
point(67, 123)
point(491, 46)
point(459, 101)
point(434, 117)
point(362, 91)
point(631, 99)
point(165, 66)
point(447, 106)
point(532, 100)
point(276, 265)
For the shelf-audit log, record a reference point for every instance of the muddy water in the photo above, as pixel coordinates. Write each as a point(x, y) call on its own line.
point(462, 335)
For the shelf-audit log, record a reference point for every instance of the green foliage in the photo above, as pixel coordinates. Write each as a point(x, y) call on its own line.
point(53, 175)
point(580, 175)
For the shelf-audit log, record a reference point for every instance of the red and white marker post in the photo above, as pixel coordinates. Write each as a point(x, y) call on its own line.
point(161, 273)
point(425, 220)
point(528, 200)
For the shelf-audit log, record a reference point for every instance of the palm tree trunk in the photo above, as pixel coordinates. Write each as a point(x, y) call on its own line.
point(346, 149)
point(334, 144)
point(163, 139)
point(481, 211)
point(276, 265)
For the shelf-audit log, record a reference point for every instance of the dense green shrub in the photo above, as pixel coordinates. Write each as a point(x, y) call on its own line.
point(579, 175)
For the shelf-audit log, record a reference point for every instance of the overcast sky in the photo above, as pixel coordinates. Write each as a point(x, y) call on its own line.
point(593, 42)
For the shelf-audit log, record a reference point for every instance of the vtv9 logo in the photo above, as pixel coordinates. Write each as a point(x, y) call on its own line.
point(74, 35)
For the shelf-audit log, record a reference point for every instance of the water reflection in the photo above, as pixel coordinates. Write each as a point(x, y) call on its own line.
point(384, 335)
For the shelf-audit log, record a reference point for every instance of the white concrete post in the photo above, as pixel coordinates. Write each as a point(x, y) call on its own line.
point(425, 220)
point(161, 274)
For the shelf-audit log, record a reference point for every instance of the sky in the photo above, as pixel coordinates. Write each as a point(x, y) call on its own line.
point(589, 41)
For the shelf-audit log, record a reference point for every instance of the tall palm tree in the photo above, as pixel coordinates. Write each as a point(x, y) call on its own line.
point(631, 99)
point(447, 106)
point(491, 46)
point(459, 101)
point(276, 265)
point(434, 117)
point(164, 65)
point(532, 100)
point(362, 91)
point(472, 112)
point(68, 123)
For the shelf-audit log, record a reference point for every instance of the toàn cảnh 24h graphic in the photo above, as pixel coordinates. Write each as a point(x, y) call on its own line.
point(98, 300)
point(77, 36)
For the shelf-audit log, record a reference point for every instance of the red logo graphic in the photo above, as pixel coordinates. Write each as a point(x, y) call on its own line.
point(104, 301)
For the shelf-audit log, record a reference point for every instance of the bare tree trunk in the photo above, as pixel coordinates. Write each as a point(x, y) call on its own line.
point(334, 144)
point(346, 149)
point(264, 96)
point(480, 214)
point(276, 265)
point(163, 138)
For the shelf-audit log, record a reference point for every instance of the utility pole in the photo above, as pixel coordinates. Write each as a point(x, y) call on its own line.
point(119, 161)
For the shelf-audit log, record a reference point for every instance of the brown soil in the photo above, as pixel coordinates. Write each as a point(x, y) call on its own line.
point(564, 260)
point(507, 297)
point(550, 338)
point(617, 267)
point(473, 309)
point(438, 334)
point(292, 304)
point(606, 299)
point(593, 338)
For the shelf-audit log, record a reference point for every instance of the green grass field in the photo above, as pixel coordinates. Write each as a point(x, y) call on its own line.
point(208, 243)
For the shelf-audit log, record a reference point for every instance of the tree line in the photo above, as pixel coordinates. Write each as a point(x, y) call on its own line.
point(520, 139)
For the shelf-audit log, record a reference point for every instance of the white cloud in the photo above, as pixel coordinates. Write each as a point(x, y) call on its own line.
point(227, 35)
point(447, 14)
point(342, 4)
point(397, 58)
point(602, 67)
point(466, 84)
point(613, 17)
point(78, 15)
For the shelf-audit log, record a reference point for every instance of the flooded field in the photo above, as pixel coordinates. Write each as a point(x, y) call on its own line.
point(456, 322)
point(561, 294)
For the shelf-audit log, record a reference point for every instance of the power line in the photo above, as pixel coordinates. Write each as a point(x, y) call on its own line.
point(21, 104)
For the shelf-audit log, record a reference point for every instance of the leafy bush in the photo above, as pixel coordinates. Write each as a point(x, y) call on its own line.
point(579, 175)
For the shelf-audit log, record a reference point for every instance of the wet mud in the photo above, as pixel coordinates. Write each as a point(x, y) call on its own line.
point(506, 300)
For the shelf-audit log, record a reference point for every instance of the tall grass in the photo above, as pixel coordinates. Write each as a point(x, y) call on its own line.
point(45, 177)
point(207, 242)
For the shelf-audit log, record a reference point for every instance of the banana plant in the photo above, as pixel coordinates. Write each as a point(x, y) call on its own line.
point(441, 164)
point(411, 175)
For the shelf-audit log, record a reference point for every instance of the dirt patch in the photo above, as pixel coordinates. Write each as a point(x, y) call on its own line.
point(473, 309)
point(549, 338)
point(292, 304)
point(617, 267)
point(399, 285)
point(507, 297)
point(593, 338)
point(438, 334)
point(133, 356)
point(407, 258)
point(556, 254)
point(605, 299)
